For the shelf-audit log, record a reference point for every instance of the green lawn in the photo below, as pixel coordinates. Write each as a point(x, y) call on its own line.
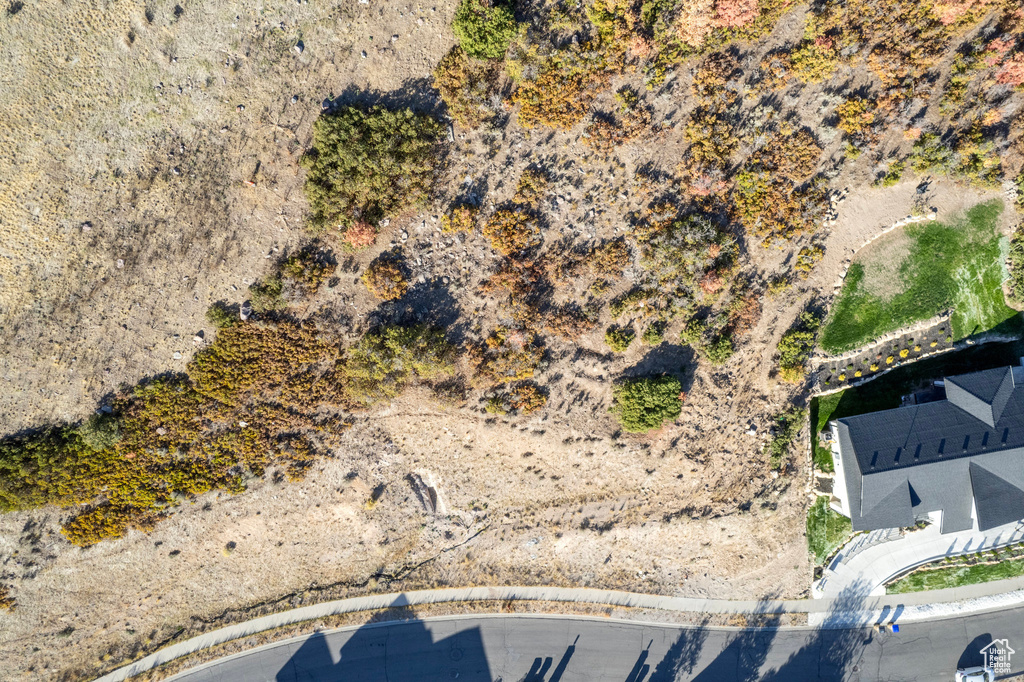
point(956, 266)
point(956, 576)
point(821, 411)
point(826, 530)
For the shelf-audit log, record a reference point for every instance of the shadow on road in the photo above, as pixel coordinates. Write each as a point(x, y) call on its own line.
point(407, 651)
point(400, 652)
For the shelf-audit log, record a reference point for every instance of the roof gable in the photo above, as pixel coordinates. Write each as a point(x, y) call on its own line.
point(983, 395)
point(997, 500)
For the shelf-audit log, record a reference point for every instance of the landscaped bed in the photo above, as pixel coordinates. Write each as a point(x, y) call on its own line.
point(957, 576)
point(826, 530)
point(919, 271)
point(886, 391)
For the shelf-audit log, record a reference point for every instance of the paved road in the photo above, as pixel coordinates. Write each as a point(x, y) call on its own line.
point(554, 649)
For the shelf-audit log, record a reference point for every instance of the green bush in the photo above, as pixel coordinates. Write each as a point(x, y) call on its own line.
point(265, 294)
point(100, 431)
point(795, 347)
point(387, 359)
point(892, 175)
point(645, 403)
point(787, 427)
point(367, 163)
point(485, 27)
point(718, 350)
point(221, 315)
point(654, 334)
point(619, 338)
point(1015, 264)
point(310, 267)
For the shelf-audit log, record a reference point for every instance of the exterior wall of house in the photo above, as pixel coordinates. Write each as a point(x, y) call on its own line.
point(839, 502)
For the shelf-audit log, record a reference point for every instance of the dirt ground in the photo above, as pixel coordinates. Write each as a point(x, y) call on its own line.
point(118, 232)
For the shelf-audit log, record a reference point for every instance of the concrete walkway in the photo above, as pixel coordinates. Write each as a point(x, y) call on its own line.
point(873, 559)
point(853, 607)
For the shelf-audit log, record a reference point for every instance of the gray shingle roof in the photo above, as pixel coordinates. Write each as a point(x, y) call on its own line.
point(942, 455)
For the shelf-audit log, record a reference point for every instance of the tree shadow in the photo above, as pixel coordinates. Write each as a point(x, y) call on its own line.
point(837, 645)
point(417, 94)
point(429, 302)
point(665, 358)
point(397, 652)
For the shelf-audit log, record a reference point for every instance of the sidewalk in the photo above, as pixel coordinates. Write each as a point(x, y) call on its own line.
point(874, 559)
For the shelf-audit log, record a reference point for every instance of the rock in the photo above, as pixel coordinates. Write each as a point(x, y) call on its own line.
point(240, 108)
point(120, 263)
point(298, 47)
point(245, 311)
point(363, 54)
point(177, 355)
point(295, 99)
point(242, 424)
point(161, 431)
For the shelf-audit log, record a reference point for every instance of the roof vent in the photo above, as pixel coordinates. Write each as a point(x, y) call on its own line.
point(874, 458)
point(967, 441)
point(984, 440)
point(899, 451)
point(917, 452)
point(942, 445)
point(1006, 434)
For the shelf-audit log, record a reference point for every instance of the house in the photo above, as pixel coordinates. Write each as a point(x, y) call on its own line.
point(958, 461)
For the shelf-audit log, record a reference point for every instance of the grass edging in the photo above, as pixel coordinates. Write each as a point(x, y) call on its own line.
point(953, 572)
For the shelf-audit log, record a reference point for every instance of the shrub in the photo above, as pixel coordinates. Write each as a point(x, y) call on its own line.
point(609, 131)
point(619, 338)
point(532, 187)
point(654, 334)
point(795, 348)
point(645, 403)
point(512, 231)
point(387, 359)
point(265, 294)
point(7, 602)
point(527, 397)
point(561, 93)
point(467, 87)
point(100, 432)
point(105, 521)
point(787, 427)
point(807, 258)
point(814, 61)
point(484, 28)
point(1019, 182)
point(1015, 264)
point(309, 267)
point(893, 174)
point(360, 234)
point(220, 314)
point(609, 259)
point(462, 218)
point(366, 163)
point(385, 277)
point(570, 322)
point(718, 350)
point(856, 114)
point(506, 355)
